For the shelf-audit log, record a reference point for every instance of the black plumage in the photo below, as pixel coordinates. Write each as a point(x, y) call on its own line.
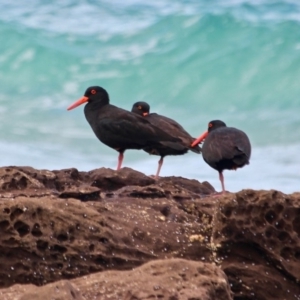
point(119, 128)
point(171, 127)
point(224, 148)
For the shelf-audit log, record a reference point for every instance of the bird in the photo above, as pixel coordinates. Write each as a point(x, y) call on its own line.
point(168, 125)
point(224, 148)
point(118, 128)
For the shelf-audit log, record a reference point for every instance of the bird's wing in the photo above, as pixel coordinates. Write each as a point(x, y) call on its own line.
point(232, 145)
point(134, 127)
point(174, 128)
point(168, 123)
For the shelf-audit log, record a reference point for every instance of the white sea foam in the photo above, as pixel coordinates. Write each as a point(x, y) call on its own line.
point(131, 16)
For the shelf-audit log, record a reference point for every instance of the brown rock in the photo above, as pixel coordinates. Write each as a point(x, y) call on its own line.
point(161, 279)
point(111, 180)
point(47, 239)
point(64, 224)
point(258, 240)
point(61, 290)
point(84, 186)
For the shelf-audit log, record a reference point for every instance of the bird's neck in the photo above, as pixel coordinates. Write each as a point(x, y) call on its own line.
point(95, 105)
point(91, 110)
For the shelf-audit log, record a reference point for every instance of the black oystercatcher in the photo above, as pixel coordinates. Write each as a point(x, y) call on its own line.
point(118, 128)
point(168, 125)
point(224, 148)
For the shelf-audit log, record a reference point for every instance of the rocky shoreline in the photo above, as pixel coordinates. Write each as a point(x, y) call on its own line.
point(105, 234)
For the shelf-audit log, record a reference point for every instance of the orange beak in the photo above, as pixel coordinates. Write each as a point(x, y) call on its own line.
point(200, 139)
point(145, 114)
point(78, 102)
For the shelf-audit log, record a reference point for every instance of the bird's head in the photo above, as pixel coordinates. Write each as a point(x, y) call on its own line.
point(92, 94)
point(212, 125)
point(141, 108)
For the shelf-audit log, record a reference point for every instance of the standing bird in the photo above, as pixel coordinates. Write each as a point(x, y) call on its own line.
point(171, 127)
point(224, 148)
point(119, 128)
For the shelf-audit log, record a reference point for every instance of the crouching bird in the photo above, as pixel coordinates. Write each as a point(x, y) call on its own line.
point(224, 148)
point(172, 128)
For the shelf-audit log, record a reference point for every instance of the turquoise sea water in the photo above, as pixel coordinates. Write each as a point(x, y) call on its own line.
point(193, 61)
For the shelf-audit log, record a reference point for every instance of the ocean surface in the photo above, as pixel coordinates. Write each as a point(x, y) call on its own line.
point(193, 61)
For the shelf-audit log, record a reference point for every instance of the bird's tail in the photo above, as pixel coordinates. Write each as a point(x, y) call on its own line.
point(195, 149)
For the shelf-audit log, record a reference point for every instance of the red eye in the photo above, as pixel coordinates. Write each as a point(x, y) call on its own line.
point(93, 92)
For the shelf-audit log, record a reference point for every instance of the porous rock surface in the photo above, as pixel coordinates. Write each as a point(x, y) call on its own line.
point(157, 279)
point(59, 226)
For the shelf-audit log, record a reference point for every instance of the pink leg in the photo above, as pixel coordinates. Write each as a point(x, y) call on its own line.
point(120, 160)
point(160, 162)
point(221, 177)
